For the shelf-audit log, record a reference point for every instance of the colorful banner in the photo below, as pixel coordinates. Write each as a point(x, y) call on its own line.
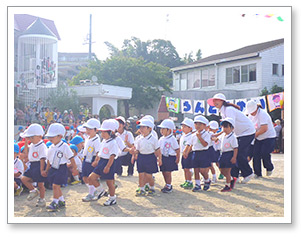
point(186, 106)
point(173, 104)
point(275, 101)
point(241, 103)
point(199, 107)
point(211, 110)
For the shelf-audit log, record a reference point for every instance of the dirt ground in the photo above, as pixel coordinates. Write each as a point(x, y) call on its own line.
point(262, 197)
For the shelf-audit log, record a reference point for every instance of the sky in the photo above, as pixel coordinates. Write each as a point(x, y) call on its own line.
point(214, 30)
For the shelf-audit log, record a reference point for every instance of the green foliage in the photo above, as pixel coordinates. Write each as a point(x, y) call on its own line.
point(274, 89)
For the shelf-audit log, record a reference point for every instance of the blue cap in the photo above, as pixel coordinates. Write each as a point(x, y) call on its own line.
point(64, 141)
point(74, 147)
point(20, 128)
point(16, 148)
point(48, 144)
point(72, 127)
point(76, 140)
point(22, 148)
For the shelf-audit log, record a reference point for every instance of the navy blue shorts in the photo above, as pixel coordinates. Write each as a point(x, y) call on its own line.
point(147, 164)
point(214, 155)
point(87, 168)
point(102, 163)
point(18, 181)
point(224, 160)
point(34, 172)
point(58, 176)
point(187, 163)
point(201, 159)
point(169, 164)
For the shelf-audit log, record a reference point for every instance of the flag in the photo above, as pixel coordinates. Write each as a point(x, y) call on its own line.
point(241, 103)
point(186, 106)
point(173, 104)
point(275, 101)
point(211, 110)
point(199, 107)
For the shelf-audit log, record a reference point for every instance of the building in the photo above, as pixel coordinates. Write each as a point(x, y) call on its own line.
point(241, 73)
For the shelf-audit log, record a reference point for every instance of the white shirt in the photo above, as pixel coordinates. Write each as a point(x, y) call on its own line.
point(78, 163)
point(18, 167)
point(130, 139)
point(147, 145)
point(92, 147)
point(80, 154)
point(195, 142)
point(59, 154)
point(107, 148)
point(185, 140)
point(121, 146)
point(228, 142)
point(243, 125)
point(168, 145)
point(263, 118)
point(37, 151)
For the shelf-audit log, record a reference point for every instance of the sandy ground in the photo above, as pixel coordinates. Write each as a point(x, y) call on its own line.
point(262, 197)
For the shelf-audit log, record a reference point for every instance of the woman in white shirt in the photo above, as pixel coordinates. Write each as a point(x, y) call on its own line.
point(244, 131)
point(265, 138)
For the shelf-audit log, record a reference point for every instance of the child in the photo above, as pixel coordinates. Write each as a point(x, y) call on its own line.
point(105, 166)
point(201, 162)
point(214, 151)
point(76, 173)
point(128, 139)
point(229, 149)
point(186, 161)
point(91, 149)
point(18, 171)
point(36, 153)
point(148, 151)
point(59, 154)
point(170, 153)
point(79, 142)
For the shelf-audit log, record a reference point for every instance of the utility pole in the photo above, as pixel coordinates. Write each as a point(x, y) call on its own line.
point(90, 37)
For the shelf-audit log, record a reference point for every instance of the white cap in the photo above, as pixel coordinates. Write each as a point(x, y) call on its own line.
point(92, 123)
point(81, 128)
point(167, 123)
point(146, 122)
point(56, 129)
point(219, 96)
point(33, 130)
point(149, 117)
point(108, 125)
point(213, 125)
point(228, 119)
point(201, 119)
point(116, 124)
point(251, 107)
point(121, 118)
point(188, 122)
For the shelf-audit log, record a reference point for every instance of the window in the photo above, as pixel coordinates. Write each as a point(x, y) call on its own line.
point(212, 77)
point(275, 69)
point(241, 74)
point(236, 74)
point(205, 78)
point(282, 70)
point(252, 72)
point(229, 76)
point(244, 73)
point(190, 80)
point(197, 79)
point(176, 84)
point(183, 81)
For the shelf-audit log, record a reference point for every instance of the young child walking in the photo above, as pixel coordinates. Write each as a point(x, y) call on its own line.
point(170, 153)
point(75, 173)
point(214, 151)
point(229, 149)
point(186, 161)
point(59, 154)
point(149, 155)
point(105, 168)
point(36, 153)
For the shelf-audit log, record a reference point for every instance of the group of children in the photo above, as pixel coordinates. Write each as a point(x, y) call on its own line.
point(90, 157)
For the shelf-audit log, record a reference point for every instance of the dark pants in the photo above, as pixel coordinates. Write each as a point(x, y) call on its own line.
point(126, 161)
point(242, 163)
point(262, 151)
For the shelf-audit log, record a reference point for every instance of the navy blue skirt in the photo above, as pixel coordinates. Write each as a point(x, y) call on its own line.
point(224, 160)
point(102, 163)
point(34, 172)
point(187, 163)
point(87, 168)
point(168, 164)
point(147, 163)
point(58, 176)
point(201, 159)
point(214, 155)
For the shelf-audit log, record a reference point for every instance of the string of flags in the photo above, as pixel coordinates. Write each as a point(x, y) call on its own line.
point(271, 102)
point(279, 18)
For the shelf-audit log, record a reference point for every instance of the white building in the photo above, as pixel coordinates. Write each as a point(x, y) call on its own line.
point(241, 73)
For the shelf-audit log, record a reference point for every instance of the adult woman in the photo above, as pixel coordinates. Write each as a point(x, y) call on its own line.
point(265, 138)
point(244, 130)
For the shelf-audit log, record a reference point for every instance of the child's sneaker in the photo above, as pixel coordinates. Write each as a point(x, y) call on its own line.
point(99, 195)
point(269, 173)
point(226, 189)
point(61, 204)
point(75, 182)
point(52, 207)
point(151, 192)
point(233, 182)
point(111, 201)
point(197, 188)
point(88, 198)
point(166, 189)
point(32, 194)
point(41, 202)
point(221, 176)
point(146, 188)
point(19, 191)
point(188, 185)
point(183, 184)
point(140, 193)
point(207, 185)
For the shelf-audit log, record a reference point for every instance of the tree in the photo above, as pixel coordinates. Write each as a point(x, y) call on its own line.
point(198, 54)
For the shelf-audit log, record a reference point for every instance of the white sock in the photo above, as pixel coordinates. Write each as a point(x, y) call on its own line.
point(61, 198)
point(207, 180)
point(228, 184)
point(87, 185)
point(168, 185)
point(214, 175)
point(91, 189)
point(76, 178)
point(99, 188)
point(142, 188)
point(56, 200)
point(198, 182)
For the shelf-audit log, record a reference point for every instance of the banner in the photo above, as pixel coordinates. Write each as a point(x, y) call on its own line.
point(211, 110)
point(199, 107)
point(275, 101)
point(186, 106)
point(173, 104)
point(261, 101)
point(241, 103)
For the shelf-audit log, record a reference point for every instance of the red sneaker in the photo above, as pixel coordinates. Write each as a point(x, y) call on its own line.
point(226, 189)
